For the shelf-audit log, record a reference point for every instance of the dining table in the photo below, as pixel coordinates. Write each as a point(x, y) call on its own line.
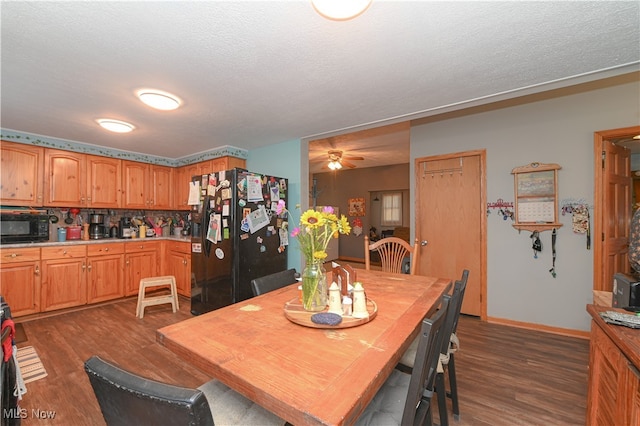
point(308, 375)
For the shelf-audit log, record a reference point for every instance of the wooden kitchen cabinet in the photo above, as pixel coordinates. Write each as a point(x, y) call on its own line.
point(614, 380)
point(184, 174)
point(20, 280)
point(21, 174)
point(141, 261)
point(177, 262)
point(104, 183)
point(105, 268)
point(80, 180)
point(147, 186)
point(64, 278)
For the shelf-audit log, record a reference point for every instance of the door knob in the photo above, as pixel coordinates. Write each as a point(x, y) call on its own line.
point(424, 243)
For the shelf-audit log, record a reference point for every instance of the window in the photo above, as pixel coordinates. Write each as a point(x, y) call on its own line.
point(392, 209)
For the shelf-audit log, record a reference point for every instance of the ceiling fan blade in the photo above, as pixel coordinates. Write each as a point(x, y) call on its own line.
point(348, 164)
point(350, 157)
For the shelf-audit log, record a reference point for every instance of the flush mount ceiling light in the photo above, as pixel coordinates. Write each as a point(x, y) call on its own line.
point(340, 10)
point(158, 99)
point(116, 126)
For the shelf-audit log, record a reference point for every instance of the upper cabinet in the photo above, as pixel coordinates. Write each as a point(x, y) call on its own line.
point(147, 186)
point(80, 180)
point(21, 174)
point(184, 174)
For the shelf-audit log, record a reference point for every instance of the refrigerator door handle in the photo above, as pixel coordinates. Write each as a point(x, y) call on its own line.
point(206, 244)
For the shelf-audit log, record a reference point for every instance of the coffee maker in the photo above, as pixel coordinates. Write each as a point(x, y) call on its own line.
point(96, 227)
point(125, 230)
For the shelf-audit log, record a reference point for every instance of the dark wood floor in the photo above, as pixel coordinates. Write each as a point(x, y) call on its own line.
point(506, 376)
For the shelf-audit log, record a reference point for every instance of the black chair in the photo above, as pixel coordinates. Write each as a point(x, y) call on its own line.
point(273, 282)
point(406, 399)
point(446, 361)
point(128, 399)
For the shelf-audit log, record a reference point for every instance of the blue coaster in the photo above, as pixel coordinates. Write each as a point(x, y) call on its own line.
point(326, 318)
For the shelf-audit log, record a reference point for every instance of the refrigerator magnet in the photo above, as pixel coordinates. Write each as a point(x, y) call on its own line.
point(263, 249)
point(219, 253)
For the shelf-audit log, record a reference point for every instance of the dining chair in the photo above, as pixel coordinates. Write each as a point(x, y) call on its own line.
point(405, 399)
point(273, 281)
point(446, 362)
point(128, 399)
point(392, 252)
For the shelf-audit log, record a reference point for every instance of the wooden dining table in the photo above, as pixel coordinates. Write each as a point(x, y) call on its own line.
point(303, 374)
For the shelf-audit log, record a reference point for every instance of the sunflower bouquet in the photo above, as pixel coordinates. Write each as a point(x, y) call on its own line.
point(314, 232)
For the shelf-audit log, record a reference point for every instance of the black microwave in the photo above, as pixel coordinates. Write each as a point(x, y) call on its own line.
point(23, 227)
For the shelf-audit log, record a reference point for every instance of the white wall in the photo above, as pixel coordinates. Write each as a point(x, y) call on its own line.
point(559, 130)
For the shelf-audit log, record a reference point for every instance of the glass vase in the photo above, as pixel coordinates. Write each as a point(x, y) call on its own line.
point(314, 287)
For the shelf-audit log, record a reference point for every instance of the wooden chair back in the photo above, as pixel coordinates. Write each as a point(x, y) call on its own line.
point(392, 251)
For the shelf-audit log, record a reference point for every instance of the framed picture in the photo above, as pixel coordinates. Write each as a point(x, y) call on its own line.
point(356, 207)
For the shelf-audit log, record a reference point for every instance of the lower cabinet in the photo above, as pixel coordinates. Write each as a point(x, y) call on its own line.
point(105, 268)
point(614, 383)
point(20, 279)
point(141, 261)
point(64, 278)
point(177, 261)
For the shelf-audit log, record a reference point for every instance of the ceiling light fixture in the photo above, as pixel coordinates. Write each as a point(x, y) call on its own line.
point(340, 10)
point(158, 99)
point(636, 137)
point(335, 165)
point(116, 126)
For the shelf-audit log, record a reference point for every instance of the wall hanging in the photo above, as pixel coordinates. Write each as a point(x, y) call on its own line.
point(536, 197)
point(356, 207)
point(580, 217)
point(505, 208)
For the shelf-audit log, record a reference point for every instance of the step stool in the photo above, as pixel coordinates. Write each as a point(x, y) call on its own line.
point(144, 300)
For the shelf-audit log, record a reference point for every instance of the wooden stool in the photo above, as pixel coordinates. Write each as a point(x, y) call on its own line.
point(144, 301)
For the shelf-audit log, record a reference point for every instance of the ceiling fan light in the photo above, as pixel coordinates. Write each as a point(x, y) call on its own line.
point(116, 126)
point(340, 10)
point(158, 99)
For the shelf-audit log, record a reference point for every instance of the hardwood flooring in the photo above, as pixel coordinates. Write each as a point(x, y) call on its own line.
point(506, 376)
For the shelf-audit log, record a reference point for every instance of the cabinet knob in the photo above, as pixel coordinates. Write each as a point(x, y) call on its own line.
point(106, 249)
point(37, 270)
point(64, 252)
point(84, 266)
point(89, 267)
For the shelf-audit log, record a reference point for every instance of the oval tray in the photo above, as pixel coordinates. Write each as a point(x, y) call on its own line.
point(295, 313)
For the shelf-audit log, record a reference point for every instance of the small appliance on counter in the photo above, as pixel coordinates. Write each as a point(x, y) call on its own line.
point(626, 292)
point(96, 227)
point(23, 227)
point(126, 229)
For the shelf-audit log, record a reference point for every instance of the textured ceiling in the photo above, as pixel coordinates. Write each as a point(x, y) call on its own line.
point(255, 73)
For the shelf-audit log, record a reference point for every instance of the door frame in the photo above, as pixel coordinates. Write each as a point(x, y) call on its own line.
point(598, 198)
point(482, 153)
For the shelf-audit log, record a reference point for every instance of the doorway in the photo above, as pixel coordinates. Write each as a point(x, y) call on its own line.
point(611, 205)
point(451, 221)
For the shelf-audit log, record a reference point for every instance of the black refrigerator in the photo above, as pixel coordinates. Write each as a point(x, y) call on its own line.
point(236, 235)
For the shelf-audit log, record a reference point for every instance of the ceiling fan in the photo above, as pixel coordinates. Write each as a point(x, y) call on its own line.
point(337, 160)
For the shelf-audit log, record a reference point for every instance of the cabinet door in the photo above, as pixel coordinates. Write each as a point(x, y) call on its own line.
point(105, 277)
point(179, 265)
point(134, 178)
point(64, 178)
point(21, 287)
point(633, 395)
point(161, 188)
point(104, 182)
point(139, 265)
point(21, 174)
point(182, 177)
point(63, 283)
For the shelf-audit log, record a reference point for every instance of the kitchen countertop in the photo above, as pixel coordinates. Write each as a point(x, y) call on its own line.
point(97, 241)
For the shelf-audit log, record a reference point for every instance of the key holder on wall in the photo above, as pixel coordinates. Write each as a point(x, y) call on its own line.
point(580, 217)
point(505, 208)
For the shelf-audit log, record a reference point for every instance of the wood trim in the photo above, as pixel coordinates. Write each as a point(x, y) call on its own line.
point(596, 236)
point(540, 327)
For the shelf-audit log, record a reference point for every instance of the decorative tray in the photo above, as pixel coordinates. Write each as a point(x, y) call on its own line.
point(295, 313)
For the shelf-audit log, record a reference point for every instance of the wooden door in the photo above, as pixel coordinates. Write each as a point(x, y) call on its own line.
point(179, 265)
point(64, 178)
point(21, 174)
point(612, 206)
point(20, 280)
point(450, 217)
point(134, 178)
point(139, 265)
point(104, 182)
point(182, 178)
point(105, 278)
